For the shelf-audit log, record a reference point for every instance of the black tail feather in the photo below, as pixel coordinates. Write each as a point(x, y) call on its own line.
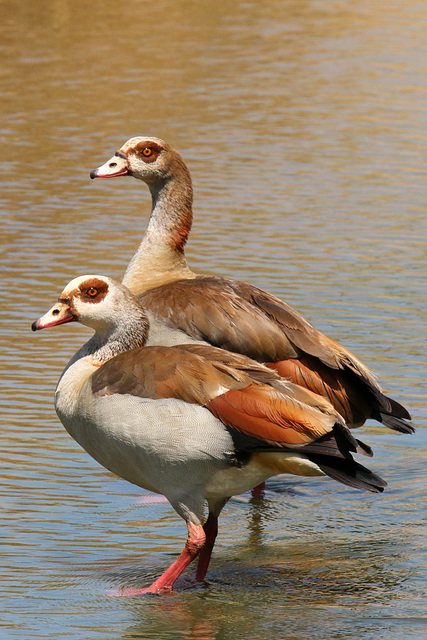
point(364, 449)
point(397, 410)
point(397, 424)
point(393, 415)
point(384, 409)
point(338, 443)
point(331, 453)
point(346, 442)
point(349, 472)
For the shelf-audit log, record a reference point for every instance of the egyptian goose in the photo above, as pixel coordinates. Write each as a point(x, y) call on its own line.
point(231, 314)
point(192, 422)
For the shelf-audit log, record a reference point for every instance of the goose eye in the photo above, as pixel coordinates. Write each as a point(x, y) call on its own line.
point(92, 292)
point(147, 152)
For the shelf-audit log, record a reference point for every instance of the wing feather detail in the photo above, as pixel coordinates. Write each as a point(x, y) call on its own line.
point(243, 394)
point(267, 414)
point(244, 319)
point(195, 375)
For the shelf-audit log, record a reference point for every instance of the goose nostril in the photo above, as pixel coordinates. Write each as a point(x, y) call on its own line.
point(112, 165)
point(55, 312)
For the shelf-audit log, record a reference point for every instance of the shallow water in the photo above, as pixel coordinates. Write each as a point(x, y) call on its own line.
point(304, 125)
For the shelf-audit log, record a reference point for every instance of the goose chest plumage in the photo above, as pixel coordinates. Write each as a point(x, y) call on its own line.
point(192, 422)
point(230, 314)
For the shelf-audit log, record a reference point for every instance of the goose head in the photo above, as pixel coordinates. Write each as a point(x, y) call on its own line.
point(95, 301)
point(151, 160)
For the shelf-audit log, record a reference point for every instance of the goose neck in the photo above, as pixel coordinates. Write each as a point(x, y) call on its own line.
point(160, 257)
point(108, 343)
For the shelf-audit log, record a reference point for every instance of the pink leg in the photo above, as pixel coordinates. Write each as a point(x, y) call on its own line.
point(211, 530)
point(164, 584)
point(258, 491)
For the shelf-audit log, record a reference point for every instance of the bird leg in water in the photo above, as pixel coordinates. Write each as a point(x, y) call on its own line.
point(164, 584)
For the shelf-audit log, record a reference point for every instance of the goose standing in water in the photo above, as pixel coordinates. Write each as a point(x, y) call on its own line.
point(229, 314)
point(192, 422)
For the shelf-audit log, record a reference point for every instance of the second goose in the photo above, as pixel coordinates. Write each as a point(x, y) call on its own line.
point(230, 314)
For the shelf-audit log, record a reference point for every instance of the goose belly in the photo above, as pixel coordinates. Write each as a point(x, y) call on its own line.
point(262, 465)
point(156, 444)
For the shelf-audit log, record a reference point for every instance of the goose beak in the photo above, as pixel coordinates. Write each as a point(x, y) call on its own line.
point(116, 166)
point(59, 314)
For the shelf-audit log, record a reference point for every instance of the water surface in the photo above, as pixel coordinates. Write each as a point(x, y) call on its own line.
point(304, 126)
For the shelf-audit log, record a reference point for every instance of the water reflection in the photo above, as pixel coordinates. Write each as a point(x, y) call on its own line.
point(303, 124)
point(317, 581)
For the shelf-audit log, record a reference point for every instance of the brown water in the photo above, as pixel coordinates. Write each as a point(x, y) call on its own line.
point(304, 124)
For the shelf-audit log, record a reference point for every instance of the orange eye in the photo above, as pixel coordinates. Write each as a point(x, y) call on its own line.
point(92, 292)
point(147, 152)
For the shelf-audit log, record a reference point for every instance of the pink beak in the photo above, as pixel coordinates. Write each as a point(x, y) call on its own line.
point(116, 166)
point(59, 314)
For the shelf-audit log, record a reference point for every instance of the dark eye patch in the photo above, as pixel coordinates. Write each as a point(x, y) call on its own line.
point(93, 290)
point(148, 151)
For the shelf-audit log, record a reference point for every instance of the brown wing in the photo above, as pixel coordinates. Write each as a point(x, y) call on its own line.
point(209, 309)
point(244, 319)
point(243, 394)
point(191, 372)
point(262, 416)
point(166, 372)
point(349, 396)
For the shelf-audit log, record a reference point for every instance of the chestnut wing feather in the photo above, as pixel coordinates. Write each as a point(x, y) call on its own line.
point(262, 412)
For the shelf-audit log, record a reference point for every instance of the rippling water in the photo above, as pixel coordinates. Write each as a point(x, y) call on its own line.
point(304, 126)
